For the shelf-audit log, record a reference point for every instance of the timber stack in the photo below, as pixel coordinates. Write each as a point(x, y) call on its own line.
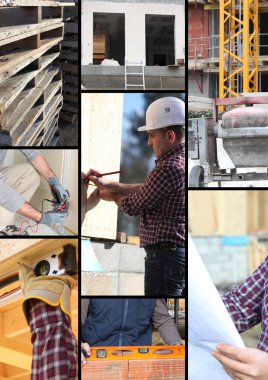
point(68, 62)
point(30, 82)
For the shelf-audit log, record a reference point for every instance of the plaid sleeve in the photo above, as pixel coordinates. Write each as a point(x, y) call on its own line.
point(244, 302)
point(159, 183)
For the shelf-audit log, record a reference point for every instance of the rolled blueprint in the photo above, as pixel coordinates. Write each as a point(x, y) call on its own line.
point(208, 322)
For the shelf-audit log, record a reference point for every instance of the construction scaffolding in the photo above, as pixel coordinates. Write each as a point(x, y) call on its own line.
point(237, 63)
point(238, 69)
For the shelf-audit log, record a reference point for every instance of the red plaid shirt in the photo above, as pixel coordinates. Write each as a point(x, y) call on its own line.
point(248, 303)
point(161, 201)
point(54, 345)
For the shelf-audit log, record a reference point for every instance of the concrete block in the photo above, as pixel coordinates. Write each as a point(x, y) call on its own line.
point(131, 284)
point(96, 284)
point(131, 258)
point(108, 255)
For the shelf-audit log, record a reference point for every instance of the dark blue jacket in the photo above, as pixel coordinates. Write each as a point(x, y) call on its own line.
point(119, 322)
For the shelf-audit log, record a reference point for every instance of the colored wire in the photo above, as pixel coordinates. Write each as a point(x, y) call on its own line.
point(36, 224)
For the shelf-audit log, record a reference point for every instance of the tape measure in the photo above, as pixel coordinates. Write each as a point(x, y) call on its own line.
point(136, 353)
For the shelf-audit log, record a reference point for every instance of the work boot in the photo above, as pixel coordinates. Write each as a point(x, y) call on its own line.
point(12, 230)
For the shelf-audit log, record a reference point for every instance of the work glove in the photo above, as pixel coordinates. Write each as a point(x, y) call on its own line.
point(59, 194)
point(53, 217)
point(53, 290)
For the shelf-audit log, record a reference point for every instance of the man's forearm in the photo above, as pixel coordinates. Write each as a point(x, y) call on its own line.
point(42, 167)
point(30, 212)
point(127, 188)
point(115, 187)
point(164, 323)
point(111, 197)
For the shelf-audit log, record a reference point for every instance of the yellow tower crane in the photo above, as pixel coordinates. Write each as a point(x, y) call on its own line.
point(238, 65)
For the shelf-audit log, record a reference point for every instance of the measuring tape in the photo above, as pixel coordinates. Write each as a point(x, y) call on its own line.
point(136, 353)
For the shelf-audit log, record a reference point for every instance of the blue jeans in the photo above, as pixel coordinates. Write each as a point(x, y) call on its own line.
point(164, 271)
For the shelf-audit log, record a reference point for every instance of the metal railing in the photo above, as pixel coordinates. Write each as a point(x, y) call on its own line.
point(208, 47)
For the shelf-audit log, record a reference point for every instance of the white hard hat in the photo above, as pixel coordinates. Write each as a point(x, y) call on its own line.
point(164, 112)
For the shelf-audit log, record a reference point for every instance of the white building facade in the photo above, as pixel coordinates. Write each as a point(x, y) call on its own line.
point(141, 33)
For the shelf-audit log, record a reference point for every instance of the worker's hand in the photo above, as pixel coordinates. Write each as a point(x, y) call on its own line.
point(241, 363)
point(53, 217)
point(106, 195)
point(60, 195)
point(111, 197)
point(84, 347)
point(100, 182)
point(93, 199)
point(91, 172)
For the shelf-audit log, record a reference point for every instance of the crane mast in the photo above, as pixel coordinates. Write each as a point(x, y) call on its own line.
point(238, 47)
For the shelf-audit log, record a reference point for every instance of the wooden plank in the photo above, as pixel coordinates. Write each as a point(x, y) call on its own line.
point(33, 114)
point(13, 352)
point(48, 134)
point(30, 137)
point(11, 63)
point(51, 112)
point(101, 132)
point(68, 67)
point(14, 85)
point(11, 16)
point(34, 3)
point(16, 113)
point(217, 213)
point(15, 33)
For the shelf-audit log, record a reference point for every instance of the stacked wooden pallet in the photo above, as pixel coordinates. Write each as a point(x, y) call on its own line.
point(68, 62)
point(30, 82)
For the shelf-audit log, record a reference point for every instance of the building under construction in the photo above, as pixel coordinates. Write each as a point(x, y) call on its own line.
point(133, 44)
point(223, 40)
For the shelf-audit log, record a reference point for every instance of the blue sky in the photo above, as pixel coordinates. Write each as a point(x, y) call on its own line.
point(132, 102)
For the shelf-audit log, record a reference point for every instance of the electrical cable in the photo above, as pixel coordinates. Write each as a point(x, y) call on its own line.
point(36, 224)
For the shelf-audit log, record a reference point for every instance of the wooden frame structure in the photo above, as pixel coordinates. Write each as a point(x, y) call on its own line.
point(30, 83)
point(15, 343)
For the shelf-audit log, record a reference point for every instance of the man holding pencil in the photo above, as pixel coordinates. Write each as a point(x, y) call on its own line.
point(159, 200)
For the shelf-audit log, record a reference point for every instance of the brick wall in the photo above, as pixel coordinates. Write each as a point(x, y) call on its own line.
point(198, 29)
point(135, 369)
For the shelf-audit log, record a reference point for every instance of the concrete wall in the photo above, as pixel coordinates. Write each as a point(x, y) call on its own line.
point(116, 269)
point(209, 84)
point(134, 26)
point(226, 264)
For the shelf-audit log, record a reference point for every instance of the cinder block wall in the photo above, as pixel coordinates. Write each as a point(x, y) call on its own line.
point(120, 270)
point(226, 264)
